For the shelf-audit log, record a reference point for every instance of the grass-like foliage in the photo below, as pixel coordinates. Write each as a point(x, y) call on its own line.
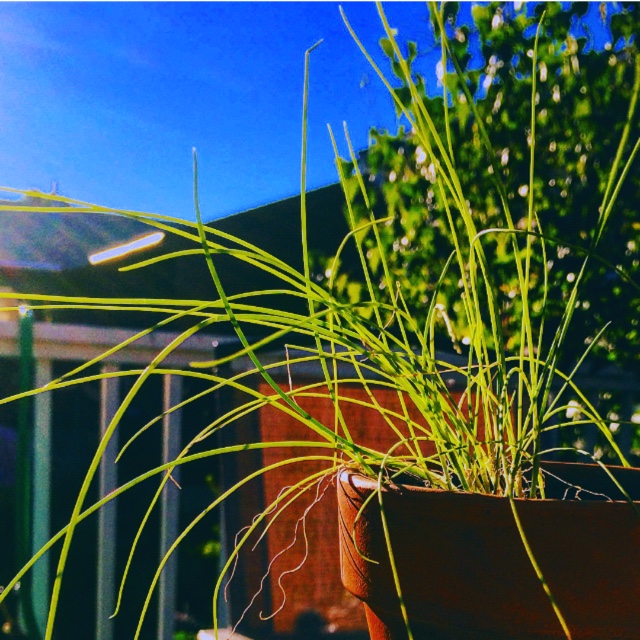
point(488, 441)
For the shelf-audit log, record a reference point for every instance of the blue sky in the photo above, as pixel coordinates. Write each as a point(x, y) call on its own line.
point(108, 99)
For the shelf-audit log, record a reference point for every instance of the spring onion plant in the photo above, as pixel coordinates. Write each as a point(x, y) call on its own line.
point(486, 441)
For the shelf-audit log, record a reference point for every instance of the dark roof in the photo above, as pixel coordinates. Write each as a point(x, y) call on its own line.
point(277, 228)
point(58, 241)
point(57, 245)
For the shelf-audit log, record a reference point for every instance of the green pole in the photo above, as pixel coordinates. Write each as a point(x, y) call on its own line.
point(24, 489)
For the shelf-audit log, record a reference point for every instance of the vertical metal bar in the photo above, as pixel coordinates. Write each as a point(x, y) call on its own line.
point(170, 504)
point(221, 400)
point(224, 608)
point(24, 471)
point(107, 525)
point(41, 493)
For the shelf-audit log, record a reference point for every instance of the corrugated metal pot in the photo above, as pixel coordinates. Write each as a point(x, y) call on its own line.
point(464, 571)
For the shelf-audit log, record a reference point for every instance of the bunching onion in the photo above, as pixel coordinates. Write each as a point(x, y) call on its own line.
point(488, 440)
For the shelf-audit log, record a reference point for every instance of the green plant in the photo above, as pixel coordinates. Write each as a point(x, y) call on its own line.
point(582, 97)
point(483, 443)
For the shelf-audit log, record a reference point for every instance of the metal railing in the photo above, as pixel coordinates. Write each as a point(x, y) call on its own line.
point(64, 342)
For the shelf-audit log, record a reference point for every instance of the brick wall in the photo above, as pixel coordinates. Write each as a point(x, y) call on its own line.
point(316, 585)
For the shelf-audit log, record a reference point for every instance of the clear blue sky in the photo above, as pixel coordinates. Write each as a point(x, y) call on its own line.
point(108, 99)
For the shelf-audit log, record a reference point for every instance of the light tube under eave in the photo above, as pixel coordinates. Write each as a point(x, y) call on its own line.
point(122, 250)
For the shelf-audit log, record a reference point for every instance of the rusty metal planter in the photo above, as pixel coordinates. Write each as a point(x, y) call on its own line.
point(464, 571)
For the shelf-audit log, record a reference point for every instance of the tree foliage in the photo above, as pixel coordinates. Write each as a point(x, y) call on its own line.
point(582, 104)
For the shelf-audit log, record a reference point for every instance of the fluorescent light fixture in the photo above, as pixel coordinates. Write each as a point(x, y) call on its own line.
point(122, 250)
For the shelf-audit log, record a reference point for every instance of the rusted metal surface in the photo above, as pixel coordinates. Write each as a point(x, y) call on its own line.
point(464, 572)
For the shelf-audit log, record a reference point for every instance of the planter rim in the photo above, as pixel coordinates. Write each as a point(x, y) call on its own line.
point(358, 479)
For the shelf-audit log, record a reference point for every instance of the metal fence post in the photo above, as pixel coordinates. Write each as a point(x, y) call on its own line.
point(41, 492)
point(170, 506)
point(107, 524)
